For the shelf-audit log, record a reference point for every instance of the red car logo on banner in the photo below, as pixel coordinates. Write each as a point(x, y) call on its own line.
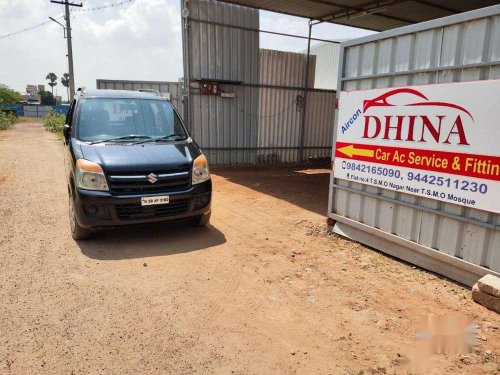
point(382, 100)
point(411, 125)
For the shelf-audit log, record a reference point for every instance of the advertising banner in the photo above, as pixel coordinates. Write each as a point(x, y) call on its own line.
point(438, 141)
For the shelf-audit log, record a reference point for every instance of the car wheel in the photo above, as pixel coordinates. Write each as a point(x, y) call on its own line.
point(201, 220)
point(77, 232)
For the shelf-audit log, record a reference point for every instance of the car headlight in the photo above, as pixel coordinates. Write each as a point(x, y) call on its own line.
point(200, 170)
point(90, 176)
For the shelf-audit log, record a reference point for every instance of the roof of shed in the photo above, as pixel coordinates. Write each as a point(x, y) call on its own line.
point(368, 14)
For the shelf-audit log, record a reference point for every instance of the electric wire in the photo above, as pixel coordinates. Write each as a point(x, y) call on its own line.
point(262, 116)
point(101, 7)
point(29, 28)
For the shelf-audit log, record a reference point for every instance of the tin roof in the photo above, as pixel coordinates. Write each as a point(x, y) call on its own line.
point(368, 14)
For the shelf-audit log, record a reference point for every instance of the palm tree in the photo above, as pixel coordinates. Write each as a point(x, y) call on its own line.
point(65, 83)
point(53, 81)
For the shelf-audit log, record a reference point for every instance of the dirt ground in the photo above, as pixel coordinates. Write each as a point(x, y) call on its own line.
point(263, 290)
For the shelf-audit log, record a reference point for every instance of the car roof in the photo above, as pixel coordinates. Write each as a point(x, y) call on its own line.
point(120, 94)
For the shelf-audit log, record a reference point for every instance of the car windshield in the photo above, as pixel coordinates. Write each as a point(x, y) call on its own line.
point(126, 120)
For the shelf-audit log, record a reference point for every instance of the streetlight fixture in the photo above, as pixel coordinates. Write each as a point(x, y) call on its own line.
point(56, 21)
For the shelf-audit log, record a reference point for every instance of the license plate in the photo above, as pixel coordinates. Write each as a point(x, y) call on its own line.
point(149, 201)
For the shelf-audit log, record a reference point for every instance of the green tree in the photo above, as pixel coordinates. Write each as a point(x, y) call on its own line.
point(46, 98)
point(52, 78)
point(8, 95)
point(65, 83)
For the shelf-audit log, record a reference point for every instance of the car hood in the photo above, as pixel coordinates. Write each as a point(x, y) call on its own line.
point(123, 157)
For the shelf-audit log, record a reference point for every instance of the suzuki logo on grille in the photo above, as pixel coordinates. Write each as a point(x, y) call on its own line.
point(152, 178)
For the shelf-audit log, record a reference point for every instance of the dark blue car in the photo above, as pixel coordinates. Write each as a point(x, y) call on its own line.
point(130, 160)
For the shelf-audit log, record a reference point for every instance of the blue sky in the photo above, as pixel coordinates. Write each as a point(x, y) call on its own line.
point(136, 41)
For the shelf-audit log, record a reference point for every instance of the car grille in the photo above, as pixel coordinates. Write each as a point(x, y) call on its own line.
point(137, 183)
point(135, 211)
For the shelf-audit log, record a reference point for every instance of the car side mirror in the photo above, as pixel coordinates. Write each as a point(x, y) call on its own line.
point(66, 131)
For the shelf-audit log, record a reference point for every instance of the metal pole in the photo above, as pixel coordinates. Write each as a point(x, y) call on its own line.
point(70, 53)
point(207, 22)
point(185, 50)
point(304, 103)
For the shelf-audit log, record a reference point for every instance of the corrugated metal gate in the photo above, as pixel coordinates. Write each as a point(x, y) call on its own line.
point(458, 242)
point(281, 75)
point(35, 110)
point(262, 121)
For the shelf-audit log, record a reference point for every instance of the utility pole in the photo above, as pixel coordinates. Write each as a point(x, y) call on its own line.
point(67, 4)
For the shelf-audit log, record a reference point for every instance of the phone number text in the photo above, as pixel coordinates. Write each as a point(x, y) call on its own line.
point(425, 178)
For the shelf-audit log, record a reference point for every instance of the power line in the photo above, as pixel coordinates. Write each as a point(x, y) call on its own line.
point(117, 4)
point(29, 28)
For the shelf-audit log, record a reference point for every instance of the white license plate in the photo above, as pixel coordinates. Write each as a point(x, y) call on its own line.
point(148, 201)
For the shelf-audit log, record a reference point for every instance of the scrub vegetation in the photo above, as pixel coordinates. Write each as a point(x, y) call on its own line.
point(53, 122)
point(7, 96)
point(6, 120)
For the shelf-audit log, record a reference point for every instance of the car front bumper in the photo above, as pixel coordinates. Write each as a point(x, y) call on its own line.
point(95, 209)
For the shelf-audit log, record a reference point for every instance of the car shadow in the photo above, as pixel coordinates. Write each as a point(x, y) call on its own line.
point(158, 239)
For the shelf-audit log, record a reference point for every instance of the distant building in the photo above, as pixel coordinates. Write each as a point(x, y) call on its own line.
point(32, 95)
point(327, 64)
point(24, 98)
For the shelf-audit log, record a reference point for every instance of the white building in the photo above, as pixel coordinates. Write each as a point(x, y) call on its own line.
point(327, 64)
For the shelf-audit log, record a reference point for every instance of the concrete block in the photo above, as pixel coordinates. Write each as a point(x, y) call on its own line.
point(485, 299)
point(490, 284)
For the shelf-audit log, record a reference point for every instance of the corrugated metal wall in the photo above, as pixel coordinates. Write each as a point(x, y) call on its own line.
point(226, 128)
point(173, 88)
point(461, 243)
point(288, 69)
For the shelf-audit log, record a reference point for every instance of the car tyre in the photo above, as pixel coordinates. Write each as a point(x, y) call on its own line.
point(201, 220)
point(77, 232)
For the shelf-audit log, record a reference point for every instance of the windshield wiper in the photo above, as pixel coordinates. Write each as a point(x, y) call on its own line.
point(161, 139)
point(125, 137)
point(169, 137)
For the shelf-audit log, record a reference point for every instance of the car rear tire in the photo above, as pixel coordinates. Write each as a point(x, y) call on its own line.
point(77, 232)
point(201, 220)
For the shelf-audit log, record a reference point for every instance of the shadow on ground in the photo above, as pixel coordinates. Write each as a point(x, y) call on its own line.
point(305, 187)
point(151, 240)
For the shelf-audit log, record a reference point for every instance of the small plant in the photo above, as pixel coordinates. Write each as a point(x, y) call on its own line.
point(6, 120)
point(53, 122)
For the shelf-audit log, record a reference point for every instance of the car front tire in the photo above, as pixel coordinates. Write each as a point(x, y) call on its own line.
point(77, 232)
point(201, 220)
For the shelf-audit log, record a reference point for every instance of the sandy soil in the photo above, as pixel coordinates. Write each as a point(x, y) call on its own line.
point(263, 290)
